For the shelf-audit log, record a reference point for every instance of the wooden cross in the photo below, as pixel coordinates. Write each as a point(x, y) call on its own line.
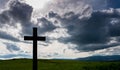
point(35, 38)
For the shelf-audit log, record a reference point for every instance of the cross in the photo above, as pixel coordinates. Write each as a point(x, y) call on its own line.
point(35, 38)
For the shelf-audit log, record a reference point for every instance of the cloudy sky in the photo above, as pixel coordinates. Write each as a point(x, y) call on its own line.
point(73, 28)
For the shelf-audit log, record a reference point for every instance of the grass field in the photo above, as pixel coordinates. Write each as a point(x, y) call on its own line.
point(25, 64)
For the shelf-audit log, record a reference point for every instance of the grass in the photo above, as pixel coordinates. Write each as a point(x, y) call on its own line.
point(26, 64)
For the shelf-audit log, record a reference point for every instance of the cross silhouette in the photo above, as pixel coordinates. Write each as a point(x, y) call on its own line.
point(35, 38)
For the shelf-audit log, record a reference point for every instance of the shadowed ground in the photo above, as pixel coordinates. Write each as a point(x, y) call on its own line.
point(25, 64)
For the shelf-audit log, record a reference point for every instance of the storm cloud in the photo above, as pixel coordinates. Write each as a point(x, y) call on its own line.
point(93, 32)
point(21, 13)
point(86, 28)
point(82, 25)
point(17, 12)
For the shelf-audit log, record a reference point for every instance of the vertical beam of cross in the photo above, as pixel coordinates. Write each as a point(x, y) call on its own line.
point(35, 38)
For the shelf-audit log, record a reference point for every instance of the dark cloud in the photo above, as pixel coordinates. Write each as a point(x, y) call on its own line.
point(103, 4)
point(113, 3)
point(91, 33)
point(114, 28)
point(4, 18)
point(43, 25)
point(8, 56)
point(100, 4)
point(11, 47)
point(7, 36)
point(46, 25)
point(21, 12)
point(17, 12)
point(52, 14)
point(93, 47)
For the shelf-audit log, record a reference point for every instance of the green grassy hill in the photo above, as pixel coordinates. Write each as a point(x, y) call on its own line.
point(25, 64)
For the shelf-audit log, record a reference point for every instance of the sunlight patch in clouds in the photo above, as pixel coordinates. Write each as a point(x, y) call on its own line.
point(37, 4)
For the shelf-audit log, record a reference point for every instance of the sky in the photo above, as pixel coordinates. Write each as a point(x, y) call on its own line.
point(73, 29)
